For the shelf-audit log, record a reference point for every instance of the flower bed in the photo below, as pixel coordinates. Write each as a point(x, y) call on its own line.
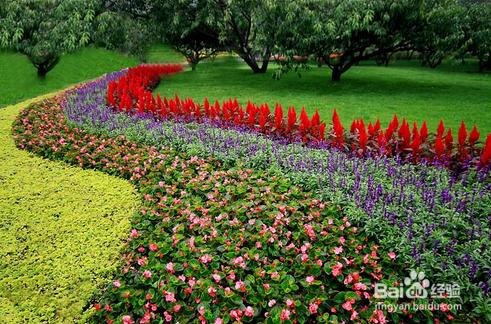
point(212, 244)
point(131, 93)
point(427, 214)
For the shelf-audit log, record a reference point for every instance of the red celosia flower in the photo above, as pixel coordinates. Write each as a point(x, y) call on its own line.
point(439, 148)
point(486, 151)
point(423, 133)
point(462, 134)
point(440, 129)
point(473, 136)
point(292, 118)
point(449, 140)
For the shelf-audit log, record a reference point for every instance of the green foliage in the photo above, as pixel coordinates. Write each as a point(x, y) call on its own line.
point(44, 30)
point(60, 229)
point(478, 33)
point(116, 32)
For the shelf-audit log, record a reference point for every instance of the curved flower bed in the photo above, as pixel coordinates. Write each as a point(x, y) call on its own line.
point(437, 221)
point(218, 245)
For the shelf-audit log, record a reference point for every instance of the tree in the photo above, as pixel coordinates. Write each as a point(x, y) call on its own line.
point(251, 27)
point(343, 33)
point(477, 31)
point(441, 32)
point(115, 31)
point(189, 27)
point(45, 29)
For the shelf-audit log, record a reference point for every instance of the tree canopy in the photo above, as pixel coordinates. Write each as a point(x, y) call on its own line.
point(45, 29)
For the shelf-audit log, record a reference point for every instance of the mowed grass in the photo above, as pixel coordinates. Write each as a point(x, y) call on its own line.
point(452, 92)
point(19, 81)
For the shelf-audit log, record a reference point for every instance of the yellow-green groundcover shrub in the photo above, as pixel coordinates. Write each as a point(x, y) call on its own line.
point(61, 230)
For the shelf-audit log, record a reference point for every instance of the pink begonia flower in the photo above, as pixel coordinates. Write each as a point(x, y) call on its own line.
point(354, 315)
point(161, 184)
point(342, 240)
point(219, 320)
point(153, 247)
point(212, 291)
point(205, 258)
point(336, 269)
point(275, 275)
point(236, 314)
point(117, 284)
point(168, 317)
point(177, 308)
point(191, 242)
point(290, 303)
point(338, 250)
point(266, 287)
point(239, 285)
point(249, 311)
point(359, 286)
point(313, 308)
point(170, 297)
point(271, 303)
point(392, 255)
point(348, 303)
point(134, 233)
point(127, 319)
point(310, 279)
point(285, 315)
point(147, 274)
point(216, 277)
point(170, 267)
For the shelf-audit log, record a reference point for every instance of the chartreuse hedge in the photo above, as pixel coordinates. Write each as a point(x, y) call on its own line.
point(61, 230)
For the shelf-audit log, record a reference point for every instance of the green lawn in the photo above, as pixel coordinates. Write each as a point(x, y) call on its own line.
point(450, 92)
point(19, 81)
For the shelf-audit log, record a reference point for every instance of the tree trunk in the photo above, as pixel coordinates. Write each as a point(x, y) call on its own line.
point(336, 73)
point(42, 71)
point(44, 64)
point(252, 63)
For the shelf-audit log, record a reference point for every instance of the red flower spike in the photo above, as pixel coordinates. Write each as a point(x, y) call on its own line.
point(292, 118)
point(439, 148)
point(404, 133)
point(462, 136)
point(395, 122)
point(415, 146)
point(316, 120)
point(486, 151)
point(262, 121)
point(449, 140)
point(338, 128)
point(415, 130)
point(363, 139)
point(371, 130)
point(304, 121)
point(354, 126)
point(376, 127)
point(278, 118)
point(440, 129)
point(322, 131)
point(423, 133)
point(473, 136)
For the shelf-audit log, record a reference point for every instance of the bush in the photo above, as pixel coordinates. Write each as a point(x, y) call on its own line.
point(60, 229)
